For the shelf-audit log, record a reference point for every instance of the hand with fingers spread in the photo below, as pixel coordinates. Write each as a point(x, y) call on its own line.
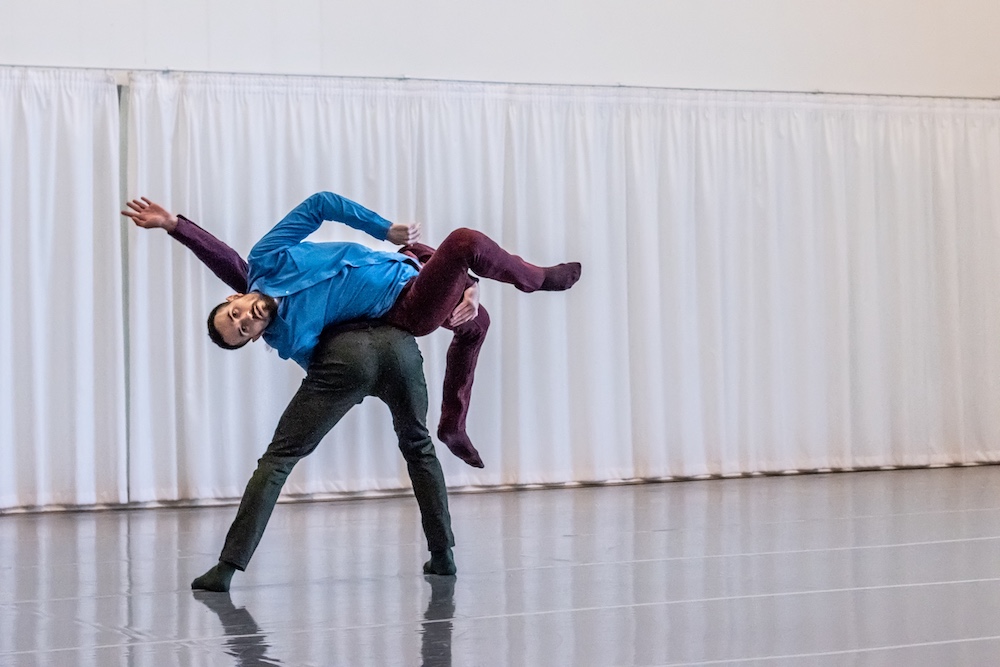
point(150, 215)
point(403, 234)
point(468, 307)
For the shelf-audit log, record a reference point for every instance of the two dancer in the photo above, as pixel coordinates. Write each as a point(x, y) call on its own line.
point(349, 363)
point(297, 288)
point(346, 364)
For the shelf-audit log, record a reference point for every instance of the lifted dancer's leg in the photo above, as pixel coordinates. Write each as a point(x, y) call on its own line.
point(430, 297)
point(460, 371)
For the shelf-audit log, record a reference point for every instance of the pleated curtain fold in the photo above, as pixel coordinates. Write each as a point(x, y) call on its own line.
point(771, 281)
point(62, 352)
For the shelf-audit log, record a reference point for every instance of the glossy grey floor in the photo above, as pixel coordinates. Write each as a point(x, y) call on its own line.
point(887, 568)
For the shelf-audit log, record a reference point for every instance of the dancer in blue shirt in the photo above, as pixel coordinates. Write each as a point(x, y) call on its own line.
point(350, 362)
point(298, 288)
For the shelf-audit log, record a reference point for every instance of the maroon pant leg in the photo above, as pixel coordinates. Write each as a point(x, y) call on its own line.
point(429, 298)
point(459, 373)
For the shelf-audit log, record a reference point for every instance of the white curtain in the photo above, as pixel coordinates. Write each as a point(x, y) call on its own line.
point(62, 374)
point(770, 282)
point(811, 282)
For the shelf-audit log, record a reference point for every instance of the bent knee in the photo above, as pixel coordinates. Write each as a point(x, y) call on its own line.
point(276, 467)
point(462, 238)
point(482, 320)
point(416, 446)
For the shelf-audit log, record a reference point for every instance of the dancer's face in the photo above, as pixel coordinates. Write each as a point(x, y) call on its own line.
point(244, 317)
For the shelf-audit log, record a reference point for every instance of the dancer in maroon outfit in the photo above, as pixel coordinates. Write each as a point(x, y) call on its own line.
point(428, 301)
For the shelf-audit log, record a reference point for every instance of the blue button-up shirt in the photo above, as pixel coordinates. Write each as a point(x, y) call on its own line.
point(320, 284)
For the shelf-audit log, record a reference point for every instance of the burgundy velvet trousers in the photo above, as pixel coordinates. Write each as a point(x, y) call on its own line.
point(428, 300)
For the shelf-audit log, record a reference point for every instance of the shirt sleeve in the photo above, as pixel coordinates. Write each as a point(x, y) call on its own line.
point(306, 218)
point(222, 260)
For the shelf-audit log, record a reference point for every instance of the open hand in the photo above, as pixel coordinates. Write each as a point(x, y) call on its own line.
point(149, 215)
point(404, 234)
point(467, 309)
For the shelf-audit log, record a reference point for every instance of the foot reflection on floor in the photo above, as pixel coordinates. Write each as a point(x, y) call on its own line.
point(435, 645)
point(245, 641)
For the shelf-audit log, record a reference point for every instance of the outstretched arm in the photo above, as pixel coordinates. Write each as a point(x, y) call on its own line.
point(222, 260)
point(307, 217)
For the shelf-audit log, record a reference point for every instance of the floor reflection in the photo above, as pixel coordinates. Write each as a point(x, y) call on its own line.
point(246, 643)
point(435, 645)
point(776, 570)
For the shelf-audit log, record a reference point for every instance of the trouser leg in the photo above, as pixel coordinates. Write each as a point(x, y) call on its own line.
point(437, 289)
point(460, 371)
point(338, 379)
point(402, 388)
point(443, 281)
point(258, 501)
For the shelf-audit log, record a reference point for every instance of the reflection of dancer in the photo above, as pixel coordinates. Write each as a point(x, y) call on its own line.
point(435, 645)
point(298, 288)
point(245, 643)
point(350, 363)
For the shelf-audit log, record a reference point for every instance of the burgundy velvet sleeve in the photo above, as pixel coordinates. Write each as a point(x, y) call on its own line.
point(224, 262)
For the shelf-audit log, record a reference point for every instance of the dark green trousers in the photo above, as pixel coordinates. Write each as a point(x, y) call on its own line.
point(374, 360)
